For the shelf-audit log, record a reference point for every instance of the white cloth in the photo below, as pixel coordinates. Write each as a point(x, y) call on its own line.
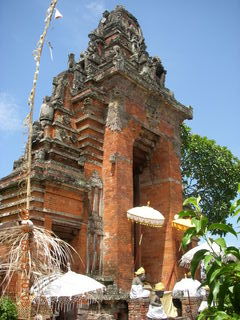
point(189, 287)
point(203, 306)
point(155, 312)
point(137, 291)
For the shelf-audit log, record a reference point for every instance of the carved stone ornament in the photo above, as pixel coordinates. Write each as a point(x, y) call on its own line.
point(95, 180)
point(71, 61)
point(61, 134)
point(118, 59)
point(37, 132)
point(59, 84)
point(18, 163)
point(153, 110)
point(115, 110)
point(79, 77)
point(46, 111)
point(40, 154)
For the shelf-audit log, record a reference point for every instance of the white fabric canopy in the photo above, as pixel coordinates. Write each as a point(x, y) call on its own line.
point(146, 215)
point(189, 288)
point(67, 285)
point(188, 256)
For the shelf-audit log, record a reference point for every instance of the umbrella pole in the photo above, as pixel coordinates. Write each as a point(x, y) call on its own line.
point(138, 242)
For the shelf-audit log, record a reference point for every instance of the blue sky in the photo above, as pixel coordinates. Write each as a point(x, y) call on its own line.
point(197, 41)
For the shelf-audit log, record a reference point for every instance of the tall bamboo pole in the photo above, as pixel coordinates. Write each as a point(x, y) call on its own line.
point(25, 302)
point(37, 57)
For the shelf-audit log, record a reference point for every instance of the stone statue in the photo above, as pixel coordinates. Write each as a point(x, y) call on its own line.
point(146, 69)
point(78, 77)
point(155, 310)
point(135, 49)
point(137, 288)
point(71, 61)
point(37, 132)
point(46, 111)
point(18, 163)
point(104, 19)
point(118, 59)
point(40, 154)
point(58, 87)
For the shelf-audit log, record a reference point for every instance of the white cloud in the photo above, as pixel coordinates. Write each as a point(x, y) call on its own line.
point(9, 113)
point(96, 7)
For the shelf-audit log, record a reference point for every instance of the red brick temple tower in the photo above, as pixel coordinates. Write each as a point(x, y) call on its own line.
point(107, 140)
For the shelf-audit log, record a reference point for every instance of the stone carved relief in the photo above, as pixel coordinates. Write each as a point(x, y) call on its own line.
point(59, 84)
point(18, 163)
point(46, 112)
point(115, 110)
point(71, 61)
point(95, 180)
point(37, 132)
point(95, 224)
point(118, 58)
point(87, 107)
point(64, 119)
point(79, 77)
point(81, 160)
point(61, 134)
point(40, 155)
point(153, 111)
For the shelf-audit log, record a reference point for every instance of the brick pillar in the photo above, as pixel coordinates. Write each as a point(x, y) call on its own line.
point(137, 309)
point(117, 199)
point(161, 185)
point(190, 307)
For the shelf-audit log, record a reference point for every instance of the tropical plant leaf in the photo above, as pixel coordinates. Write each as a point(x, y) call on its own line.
point(222, 227)
point(188, 236)
point(221, 242)
point(185, 213)
point(198, 256)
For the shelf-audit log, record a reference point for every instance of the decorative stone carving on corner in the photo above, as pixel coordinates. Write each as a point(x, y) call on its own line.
point(135, 46)
point(92, 56)
point(73, 138)
point(81, 160)
point(61, 134)
point(71, 61)
point(63, 119)
point(59, 84)
point(118, 58)
point(37, 132)
point(153, 111)
point(87, 107)
point(46, 112)
point(95, 180)
point(114, 119)
point(40, 155)
point(18, 163)
point(66, 120)
point(79, 76)
point(95, 224)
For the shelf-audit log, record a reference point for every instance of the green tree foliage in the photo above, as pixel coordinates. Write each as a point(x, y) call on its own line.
point(8, 309)
point(210, 171)
point(222, 269)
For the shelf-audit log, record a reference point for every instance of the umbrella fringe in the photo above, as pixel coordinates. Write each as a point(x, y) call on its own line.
point(144, 221)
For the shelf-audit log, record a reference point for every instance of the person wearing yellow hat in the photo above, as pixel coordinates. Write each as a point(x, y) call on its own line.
point(155, 310)
point(137, 289)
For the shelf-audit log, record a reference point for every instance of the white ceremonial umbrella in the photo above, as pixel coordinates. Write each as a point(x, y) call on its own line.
point(188, 287)
point(188, 256)
point(70, 286)
point(146, 215)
